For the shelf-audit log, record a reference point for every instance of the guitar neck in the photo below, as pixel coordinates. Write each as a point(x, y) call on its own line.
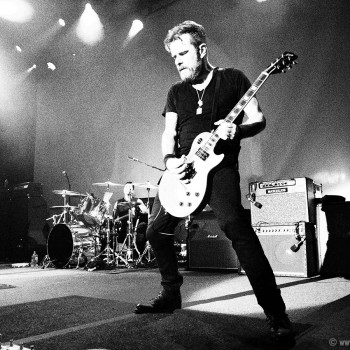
point(232, 116)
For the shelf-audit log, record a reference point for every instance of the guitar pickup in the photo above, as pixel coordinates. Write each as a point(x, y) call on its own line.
point(202, 154)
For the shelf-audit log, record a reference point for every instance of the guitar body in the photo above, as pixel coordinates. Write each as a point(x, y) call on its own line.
point(181, 199)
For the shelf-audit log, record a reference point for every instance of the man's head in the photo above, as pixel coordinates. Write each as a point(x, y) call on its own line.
point(186, 43)
point(129, 189)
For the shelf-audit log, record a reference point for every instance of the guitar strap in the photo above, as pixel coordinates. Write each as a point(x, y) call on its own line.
point(214, 109)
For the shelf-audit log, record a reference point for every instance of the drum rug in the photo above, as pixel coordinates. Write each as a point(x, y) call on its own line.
point(84, 323)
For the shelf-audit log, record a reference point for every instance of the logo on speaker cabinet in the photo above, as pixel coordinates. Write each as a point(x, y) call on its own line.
point(277, 190)
point(277, 183)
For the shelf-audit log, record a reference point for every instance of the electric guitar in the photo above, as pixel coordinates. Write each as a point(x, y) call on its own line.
point(182, 199)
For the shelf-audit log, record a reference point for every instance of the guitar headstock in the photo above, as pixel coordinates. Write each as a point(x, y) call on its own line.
point(282, 63)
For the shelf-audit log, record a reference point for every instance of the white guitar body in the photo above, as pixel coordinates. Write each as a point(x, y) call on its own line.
point(180, 199)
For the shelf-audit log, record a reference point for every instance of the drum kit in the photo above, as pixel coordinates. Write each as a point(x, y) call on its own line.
point(86, 235)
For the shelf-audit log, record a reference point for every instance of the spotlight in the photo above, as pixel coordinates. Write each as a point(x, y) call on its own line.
point(18, 48)
point(19, 11)
point(51, 66)
point(31, 68)
point(61, 22)
point(136, 27)
point(90, 28)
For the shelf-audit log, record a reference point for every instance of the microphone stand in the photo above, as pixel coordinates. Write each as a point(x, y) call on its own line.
point(139, 161)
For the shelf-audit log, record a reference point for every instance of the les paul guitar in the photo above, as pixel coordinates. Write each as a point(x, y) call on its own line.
point(180, 199)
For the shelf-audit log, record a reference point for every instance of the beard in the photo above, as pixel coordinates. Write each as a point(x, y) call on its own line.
point(190, 74)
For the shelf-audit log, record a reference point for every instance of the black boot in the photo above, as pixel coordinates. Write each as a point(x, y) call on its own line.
point(167, 301)
point(281, 330)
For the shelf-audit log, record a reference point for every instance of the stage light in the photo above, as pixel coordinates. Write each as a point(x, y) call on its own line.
point(51, 66)
point(31, 68)
point(61, 22)
point(16, 10)
point(18, 48)
point(90, 28)
point(136, 27)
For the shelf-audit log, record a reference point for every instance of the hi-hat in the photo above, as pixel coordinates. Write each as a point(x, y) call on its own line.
point(146, 185)
point(106, 184)
point(63, 207)
point(68, 193)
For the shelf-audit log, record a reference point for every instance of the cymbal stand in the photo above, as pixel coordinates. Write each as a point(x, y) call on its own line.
point(130, 239)
point(147, 253)
point(108, 251)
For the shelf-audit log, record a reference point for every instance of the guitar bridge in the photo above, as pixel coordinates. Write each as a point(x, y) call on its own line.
point(190, 171)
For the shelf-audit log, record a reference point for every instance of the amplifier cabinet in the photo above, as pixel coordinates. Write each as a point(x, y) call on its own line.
point(5, 221)
point(279, 241)
point(208, 247)
point(29, 228)
point(284, 201)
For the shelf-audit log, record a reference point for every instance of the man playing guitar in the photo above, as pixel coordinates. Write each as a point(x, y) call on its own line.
point(195, 105)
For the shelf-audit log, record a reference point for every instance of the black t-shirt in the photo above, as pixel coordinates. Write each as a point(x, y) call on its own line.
point(183, 99)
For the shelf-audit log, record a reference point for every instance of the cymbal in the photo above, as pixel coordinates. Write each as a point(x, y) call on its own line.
point(63, 207)
point(106, 184)
point(68, 193)
point(146, 185)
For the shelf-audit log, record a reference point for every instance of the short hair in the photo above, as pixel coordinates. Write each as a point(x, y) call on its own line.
point(196, 31)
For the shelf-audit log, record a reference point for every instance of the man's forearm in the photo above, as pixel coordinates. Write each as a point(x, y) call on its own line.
point(249, 130)
point(168, 143)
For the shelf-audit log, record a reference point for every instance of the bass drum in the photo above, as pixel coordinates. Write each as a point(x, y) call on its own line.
point(71, 245)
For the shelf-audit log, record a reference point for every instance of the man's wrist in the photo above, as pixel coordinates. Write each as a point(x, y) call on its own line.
point(168, 156)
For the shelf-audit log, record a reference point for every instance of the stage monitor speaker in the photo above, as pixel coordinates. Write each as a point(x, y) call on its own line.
point(290, 249)
point(29, 228)
point(208, 247)
point(284, 201)
point(337, 257)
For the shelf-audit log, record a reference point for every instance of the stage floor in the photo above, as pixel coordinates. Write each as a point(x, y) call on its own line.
point(75, 309)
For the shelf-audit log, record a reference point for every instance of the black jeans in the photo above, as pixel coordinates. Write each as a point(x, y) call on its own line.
point(224, 197)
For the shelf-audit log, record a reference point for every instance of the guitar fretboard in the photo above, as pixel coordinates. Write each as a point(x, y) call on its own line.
point(231, 117)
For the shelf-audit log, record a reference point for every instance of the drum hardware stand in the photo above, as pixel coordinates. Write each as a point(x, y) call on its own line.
point(56, 219)
point(147, 254)
point(130, 239)
point(80, 254)
point(188, 224)
point(148, 249)
point(108, 251)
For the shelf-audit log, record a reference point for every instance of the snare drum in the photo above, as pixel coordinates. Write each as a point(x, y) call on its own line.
point(71, 245)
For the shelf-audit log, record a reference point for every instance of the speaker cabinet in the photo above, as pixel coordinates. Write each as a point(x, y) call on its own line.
point(284, 201)
point(278, 243)
point(5, 213)
point(29, 228)
point(337, 257)
point(208, 247)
